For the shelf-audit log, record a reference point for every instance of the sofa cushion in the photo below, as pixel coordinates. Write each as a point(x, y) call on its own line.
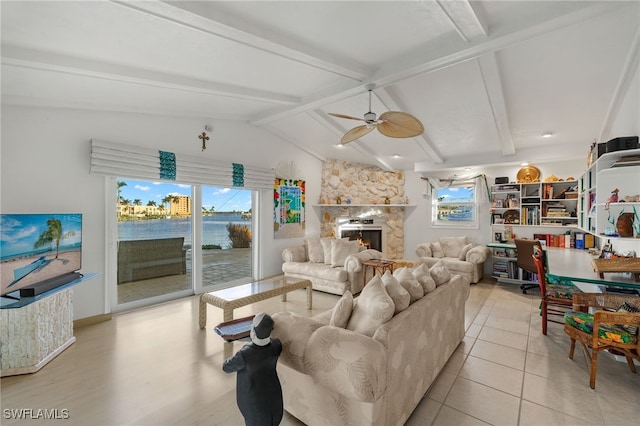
point(464, 251)
point(314, 250)
point(342, 311)
point(298, 254)
point(452, 246)
point(317, 270)
point(409, 283)
point(372, 308)
point(436, 249)
point(440, 273)
point(423, 276)
point(400, 296)
point(341, 249)
point(326, 248)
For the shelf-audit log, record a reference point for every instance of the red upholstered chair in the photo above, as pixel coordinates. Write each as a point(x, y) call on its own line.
point(556, 298)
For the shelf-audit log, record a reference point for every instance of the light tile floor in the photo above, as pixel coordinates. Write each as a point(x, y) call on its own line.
point(507, 373)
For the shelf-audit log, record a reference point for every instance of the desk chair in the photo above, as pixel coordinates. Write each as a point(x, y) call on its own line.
point(614, 327)
point(556, 299)
point(525, 261)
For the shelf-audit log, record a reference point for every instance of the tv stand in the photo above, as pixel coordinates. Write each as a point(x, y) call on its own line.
point(42, 327)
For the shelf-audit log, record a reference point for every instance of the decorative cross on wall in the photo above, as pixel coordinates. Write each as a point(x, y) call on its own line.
point(204, 138)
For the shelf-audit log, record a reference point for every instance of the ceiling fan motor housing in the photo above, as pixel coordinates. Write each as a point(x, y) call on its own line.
point(370, 116)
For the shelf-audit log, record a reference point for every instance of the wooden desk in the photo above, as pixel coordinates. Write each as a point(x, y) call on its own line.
point(378, 265)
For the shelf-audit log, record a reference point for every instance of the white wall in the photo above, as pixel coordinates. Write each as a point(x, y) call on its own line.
point(45, 168)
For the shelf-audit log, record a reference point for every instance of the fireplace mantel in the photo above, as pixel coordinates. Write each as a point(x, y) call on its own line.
point(364, 205)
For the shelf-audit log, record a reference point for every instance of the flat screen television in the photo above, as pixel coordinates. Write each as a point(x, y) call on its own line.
point(39, 251)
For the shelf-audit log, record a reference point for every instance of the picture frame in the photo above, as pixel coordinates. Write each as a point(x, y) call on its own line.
point(497, 218)
point(497, 203)
point(498, 236)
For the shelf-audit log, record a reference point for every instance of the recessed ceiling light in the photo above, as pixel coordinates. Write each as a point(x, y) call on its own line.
point(524, 164)
point(395, 156)
point(547, 134)
point(339, 146)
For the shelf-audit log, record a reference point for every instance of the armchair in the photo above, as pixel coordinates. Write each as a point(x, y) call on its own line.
point(460, 256)
point(614, 327)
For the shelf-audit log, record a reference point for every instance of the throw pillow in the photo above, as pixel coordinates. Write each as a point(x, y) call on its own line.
point(424, 278)
point(436, 249)
point(341, 249)
point(628, 308)
point(409, 283)
point(452, 246)
point(440, 273)
point(315, 251)
point(342, 311)
point(465, 250)
point(326, 249)
point(400, 296)
point(372, 308)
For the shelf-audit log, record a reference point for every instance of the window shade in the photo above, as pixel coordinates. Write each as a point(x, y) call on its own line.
point(113, 159)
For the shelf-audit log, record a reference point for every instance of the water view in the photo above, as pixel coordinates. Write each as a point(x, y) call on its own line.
point(214, 228)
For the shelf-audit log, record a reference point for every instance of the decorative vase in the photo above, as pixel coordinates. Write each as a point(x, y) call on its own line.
point(625, 225)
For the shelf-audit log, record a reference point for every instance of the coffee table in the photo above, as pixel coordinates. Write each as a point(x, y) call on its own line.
point(231, 298)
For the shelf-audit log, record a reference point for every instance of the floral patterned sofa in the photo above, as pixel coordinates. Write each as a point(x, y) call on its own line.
point(369, 361)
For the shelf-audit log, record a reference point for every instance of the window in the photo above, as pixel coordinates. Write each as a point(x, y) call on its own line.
point(455, 206)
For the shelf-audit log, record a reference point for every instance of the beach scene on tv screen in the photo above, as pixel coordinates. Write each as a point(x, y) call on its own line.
point(37, 247)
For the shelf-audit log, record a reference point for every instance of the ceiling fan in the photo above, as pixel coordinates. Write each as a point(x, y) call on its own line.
point(394, 124)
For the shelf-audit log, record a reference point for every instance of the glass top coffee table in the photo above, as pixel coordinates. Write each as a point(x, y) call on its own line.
point(231, 298)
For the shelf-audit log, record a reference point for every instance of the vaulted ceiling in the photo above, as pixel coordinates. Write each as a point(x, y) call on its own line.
point(486, 78)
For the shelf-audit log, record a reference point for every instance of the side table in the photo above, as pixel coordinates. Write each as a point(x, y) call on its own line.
point(378, 265)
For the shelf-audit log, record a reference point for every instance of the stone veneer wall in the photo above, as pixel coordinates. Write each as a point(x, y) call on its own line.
point(364, 184)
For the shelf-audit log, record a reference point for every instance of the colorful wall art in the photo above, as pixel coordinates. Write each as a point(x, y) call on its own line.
point(288, 208)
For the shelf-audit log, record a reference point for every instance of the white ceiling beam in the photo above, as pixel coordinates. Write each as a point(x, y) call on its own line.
point(566, 151)
point(428, 60)
point(626, 77)
point(393, 103)
point(493, 87)
point(414, 64)
point(469, 26)
point(179, 13)
point(46, 61)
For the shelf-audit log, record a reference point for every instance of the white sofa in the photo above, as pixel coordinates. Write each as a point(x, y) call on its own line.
point(338, 376)
point(332, 265)
point(458, 254)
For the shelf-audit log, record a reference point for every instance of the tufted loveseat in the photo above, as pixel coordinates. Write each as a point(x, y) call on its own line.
point(332, 375)
point(458, 254)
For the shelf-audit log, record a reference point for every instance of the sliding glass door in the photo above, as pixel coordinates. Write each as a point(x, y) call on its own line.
point(154, 239)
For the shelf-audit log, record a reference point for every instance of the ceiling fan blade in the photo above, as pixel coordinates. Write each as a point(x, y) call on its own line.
point(355, 133)
point(346, 116)
point(396, 124)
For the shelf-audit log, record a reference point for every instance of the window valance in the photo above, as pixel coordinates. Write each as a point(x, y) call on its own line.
point(113, 159)
point(439, 183)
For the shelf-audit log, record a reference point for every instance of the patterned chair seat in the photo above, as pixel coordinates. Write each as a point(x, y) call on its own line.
point(584, 322)
point(561, 291)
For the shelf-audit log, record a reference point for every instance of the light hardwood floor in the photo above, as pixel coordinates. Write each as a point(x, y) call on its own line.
point(154, 366)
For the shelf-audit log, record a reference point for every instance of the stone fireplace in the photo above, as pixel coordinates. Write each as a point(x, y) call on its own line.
point(371, 199)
